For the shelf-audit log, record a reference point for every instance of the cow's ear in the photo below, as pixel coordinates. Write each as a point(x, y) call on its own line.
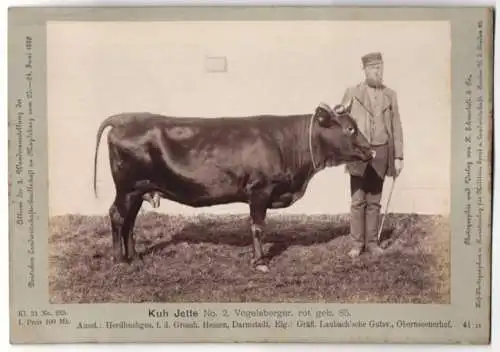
point(324, 121)
point(324, 117)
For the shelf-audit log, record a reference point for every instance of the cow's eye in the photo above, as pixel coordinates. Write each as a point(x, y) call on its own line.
point(350, 130)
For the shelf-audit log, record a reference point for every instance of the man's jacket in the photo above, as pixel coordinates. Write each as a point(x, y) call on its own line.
point(361, 111)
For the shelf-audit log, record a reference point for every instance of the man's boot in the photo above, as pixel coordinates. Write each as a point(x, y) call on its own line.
point(372, 223)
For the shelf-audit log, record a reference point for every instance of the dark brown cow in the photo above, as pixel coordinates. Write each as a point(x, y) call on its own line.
point(264, 161)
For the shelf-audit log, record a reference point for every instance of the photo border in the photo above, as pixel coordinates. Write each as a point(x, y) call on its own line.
point(28, 244)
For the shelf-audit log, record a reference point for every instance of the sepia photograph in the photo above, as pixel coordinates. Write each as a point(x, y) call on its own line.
point(250, 174)
point(249, 161)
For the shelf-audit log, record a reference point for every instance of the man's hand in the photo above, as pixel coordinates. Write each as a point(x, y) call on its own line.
point(398, 165)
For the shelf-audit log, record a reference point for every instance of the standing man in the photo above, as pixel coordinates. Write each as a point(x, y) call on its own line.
point(375, 109)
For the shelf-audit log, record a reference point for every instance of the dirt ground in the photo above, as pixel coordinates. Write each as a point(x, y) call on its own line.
point(206, 258)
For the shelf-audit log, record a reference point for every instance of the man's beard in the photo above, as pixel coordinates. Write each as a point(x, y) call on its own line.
point(374, 83)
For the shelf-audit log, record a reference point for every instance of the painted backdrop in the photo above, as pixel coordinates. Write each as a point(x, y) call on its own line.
point(96, 69)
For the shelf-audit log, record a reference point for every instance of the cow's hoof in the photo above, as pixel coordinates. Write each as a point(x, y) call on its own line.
point(118, 259)
point(262, 268)
point(138, 258)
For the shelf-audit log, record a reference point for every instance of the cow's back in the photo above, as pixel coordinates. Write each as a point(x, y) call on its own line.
point(198, 161)
point(216, 130)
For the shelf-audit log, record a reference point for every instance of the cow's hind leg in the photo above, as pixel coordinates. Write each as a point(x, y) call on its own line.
point(117, 221)
point(133, 203)
point(122, 213)
point(258, 210)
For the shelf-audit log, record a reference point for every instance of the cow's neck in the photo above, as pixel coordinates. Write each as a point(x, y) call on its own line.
point(307, 156)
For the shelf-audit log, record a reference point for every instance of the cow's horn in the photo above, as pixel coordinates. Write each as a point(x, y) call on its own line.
point(339, 109)
point(349, 105)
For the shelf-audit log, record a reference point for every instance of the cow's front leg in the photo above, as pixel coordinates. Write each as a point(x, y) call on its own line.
point(258, 256)
point(258, 209)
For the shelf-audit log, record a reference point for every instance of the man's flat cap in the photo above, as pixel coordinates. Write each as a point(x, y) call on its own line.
point(372, 59)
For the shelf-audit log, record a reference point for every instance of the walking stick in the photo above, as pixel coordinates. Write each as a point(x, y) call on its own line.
point(386, 209)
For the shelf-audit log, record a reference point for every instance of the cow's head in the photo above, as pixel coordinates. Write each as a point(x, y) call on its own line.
point(339, 138)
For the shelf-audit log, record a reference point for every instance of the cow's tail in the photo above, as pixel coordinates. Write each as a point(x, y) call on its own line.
point(112, 121)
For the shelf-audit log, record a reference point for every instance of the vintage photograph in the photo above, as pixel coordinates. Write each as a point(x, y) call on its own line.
point(249, 161)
